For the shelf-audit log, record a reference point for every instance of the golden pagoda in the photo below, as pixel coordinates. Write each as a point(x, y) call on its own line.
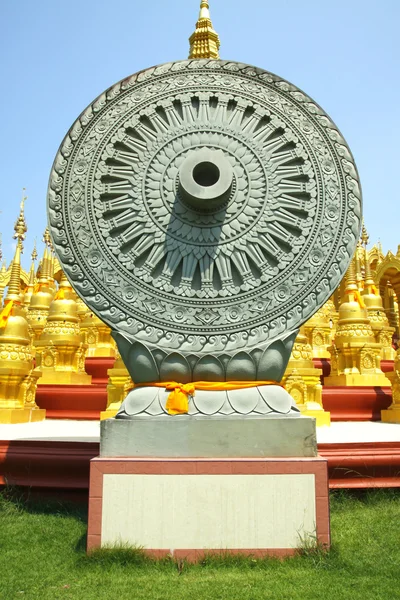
point(118, 387)
point(392, 414)
point(42, 296)
point(3, 271)
point(204, 42)
point(320, 329)
point(355, 356)
point(97, 336)
point(374, 305)
point(18, 379)
point(302, 381)
point(60, 351)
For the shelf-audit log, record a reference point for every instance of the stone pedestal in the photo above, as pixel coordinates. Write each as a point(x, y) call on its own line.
point(192, 506)
point(188, 485)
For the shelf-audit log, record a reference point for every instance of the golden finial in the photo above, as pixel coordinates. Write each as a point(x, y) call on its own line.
point(47, 238)
point(369, 280)
point(14, 285)
point(20, 227)
point(351, 281)
point(204, 42)
point(357, 266)
point(34, 254)
point(364, 234)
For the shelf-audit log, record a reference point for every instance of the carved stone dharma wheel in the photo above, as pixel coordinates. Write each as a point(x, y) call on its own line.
point(204, 210)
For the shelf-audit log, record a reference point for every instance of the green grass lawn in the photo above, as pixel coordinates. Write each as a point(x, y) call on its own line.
point(42, 555)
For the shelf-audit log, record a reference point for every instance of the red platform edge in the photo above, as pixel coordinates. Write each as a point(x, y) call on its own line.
point(210, 466)
point(64, 466)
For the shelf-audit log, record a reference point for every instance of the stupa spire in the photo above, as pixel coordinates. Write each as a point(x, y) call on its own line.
point(32, 277)
point(204, 42)
point(32, 272)
point(20, 228)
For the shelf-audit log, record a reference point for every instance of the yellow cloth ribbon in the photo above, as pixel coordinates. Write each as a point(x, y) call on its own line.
point(178, 399)
point(374, 290)
point(5, 313)
point(60, 295)
point(359, 298)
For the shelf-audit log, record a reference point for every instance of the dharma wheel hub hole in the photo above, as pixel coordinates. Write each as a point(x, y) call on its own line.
point(205, 178)
point(206, 174)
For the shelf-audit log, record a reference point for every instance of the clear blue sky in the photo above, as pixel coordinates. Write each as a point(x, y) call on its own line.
point(56, 57)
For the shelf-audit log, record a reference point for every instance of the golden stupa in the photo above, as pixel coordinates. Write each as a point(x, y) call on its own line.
point(18, 379)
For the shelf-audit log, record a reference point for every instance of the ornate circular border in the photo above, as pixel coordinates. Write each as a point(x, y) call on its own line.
point(265, 327)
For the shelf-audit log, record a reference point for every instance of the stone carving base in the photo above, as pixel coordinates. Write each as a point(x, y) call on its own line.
point(209, 436)
point(261, 400)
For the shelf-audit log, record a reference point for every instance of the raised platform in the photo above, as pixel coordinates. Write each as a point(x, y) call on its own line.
point(55, 454)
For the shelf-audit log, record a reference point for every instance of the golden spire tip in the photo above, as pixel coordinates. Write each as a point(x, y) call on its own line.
point(204, 42)
point(20, 227)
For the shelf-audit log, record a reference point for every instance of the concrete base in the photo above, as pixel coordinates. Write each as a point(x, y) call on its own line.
point(64, 378)
point(189, 507)
point(209, 436)
point(356, 379)
point(21, 415)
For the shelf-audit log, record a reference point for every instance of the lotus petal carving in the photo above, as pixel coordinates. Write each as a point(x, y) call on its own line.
point(139, 399)
point(241, 368)
point(175, 367)
point(142, 363)
point(244, 401)
point(209, 402)
point(209, 368)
